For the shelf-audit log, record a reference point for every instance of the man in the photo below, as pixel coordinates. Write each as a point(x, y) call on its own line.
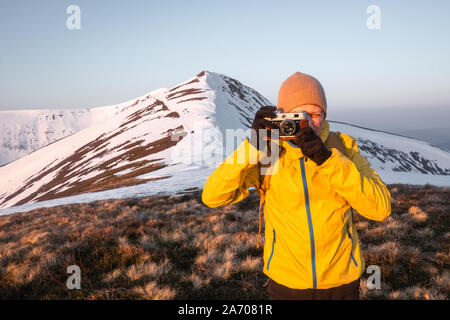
point(311, 248)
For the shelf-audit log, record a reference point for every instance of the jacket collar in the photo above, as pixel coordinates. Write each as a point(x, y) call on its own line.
point(292, 151)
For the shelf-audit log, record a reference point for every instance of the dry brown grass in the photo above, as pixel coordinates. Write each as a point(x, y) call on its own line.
point(411, 247)
point(174, 247)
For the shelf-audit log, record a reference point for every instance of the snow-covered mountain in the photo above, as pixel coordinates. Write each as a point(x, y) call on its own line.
point(133, 143)
point(23, 131)
point(170, 140)
point(400, 159)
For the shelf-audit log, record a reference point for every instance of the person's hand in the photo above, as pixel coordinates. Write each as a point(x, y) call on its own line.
point(311, 144)
point(260, 123)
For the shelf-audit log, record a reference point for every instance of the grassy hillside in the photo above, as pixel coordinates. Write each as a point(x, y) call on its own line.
point(174, 247)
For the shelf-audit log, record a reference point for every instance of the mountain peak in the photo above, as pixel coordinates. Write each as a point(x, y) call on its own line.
point(202, 73)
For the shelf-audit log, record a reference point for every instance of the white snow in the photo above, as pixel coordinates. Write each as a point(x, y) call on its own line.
point(24, 131)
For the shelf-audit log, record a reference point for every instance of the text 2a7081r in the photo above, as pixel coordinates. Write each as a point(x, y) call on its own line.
point(246, 309)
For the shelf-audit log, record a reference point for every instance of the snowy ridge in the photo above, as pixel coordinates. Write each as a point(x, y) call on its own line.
point(24, 131)
point(400, 159)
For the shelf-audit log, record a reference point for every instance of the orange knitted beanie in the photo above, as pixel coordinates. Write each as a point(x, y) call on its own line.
point(301, 89)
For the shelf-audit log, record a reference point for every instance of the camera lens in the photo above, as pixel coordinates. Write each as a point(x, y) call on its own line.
point(288, 127)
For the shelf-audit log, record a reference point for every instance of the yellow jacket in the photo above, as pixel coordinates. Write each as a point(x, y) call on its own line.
point(310, 240)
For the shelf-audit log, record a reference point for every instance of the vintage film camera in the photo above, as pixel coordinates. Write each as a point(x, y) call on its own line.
point(288, 123)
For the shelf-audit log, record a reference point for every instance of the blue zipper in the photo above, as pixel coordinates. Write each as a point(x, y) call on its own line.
point(273, 248)
point(311, 230)
point(351, 252)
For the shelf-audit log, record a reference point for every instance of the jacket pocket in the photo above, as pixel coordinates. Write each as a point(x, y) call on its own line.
point(351, 250)
point(273, 249)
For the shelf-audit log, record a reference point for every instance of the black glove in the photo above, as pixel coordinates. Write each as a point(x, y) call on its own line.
point(260, 123)
point(311, 144)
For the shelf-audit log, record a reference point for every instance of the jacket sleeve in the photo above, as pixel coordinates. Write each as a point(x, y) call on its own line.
point(353, 179)
point(230, 182)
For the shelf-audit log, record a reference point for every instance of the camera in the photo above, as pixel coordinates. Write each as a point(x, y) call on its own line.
point(288, 123)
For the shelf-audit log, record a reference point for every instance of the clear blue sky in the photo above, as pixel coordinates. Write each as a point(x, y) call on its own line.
point(127, 48)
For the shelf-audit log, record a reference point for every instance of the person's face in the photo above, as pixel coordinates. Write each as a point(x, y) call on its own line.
point(315, 116)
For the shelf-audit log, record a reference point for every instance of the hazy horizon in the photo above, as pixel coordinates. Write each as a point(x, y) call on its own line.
point(391, 119)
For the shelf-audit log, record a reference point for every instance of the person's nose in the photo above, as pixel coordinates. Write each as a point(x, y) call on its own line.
point(309, 118)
